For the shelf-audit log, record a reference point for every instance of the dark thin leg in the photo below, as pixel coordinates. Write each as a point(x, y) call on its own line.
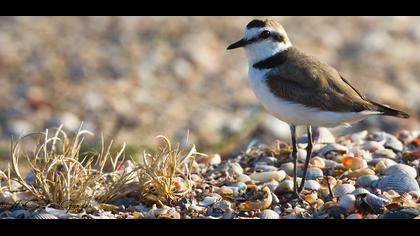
point(308, 157)
point(294, 156)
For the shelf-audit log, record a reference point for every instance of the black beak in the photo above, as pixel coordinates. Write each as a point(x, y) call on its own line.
point(240, 43)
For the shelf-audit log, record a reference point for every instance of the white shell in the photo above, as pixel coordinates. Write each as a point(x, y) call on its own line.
point(235, 169)
point(401, 169)
point(347, 202)
point(314, 173)
point(359, 191)
point(399, 183)
point(244, 178)
point(312, 184)
point(343, 189)
point(267, 176)
point(359, 137)
point(374, 146)
point(209, 200)
point(385, 153)
point(366, 180)
point(330, 164)
point(388, 162)
point(285, 186)
point(272, 185)
point(301, 155)
point(269, 214)
point(265, 167)
point(43, 216)
point(287, 167)
point(7, 197)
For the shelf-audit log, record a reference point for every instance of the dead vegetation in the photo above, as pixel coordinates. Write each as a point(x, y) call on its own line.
point(63, 177)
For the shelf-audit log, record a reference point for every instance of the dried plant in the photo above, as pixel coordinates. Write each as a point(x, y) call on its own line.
point(64, 177)
point(159, 173)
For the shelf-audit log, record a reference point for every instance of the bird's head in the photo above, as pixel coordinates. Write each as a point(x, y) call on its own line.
point(262, 39)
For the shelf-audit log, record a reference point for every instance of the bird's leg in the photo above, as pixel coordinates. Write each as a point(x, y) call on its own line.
point(294, 156)
point(308, 157)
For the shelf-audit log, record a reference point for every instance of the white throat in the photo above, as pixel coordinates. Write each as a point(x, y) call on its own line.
point(259, 51)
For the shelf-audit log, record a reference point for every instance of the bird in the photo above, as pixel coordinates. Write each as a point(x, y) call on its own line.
point(299, 89)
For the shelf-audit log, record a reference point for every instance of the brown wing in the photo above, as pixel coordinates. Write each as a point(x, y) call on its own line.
point(304, 79)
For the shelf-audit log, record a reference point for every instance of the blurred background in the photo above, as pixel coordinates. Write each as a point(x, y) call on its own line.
point(132, 78)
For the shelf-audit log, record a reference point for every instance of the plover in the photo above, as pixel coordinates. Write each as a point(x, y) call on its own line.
point(299, 89)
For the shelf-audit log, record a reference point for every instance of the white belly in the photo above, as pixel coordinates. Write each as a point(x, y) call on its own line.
point(297, 114)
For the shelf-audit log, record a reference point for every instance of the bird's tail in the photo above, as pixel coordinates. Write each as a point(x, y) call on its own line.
point(388, 111)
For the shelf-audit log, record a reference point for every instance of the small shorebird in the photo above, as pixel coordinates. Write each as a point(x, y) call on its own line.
point(299, 89)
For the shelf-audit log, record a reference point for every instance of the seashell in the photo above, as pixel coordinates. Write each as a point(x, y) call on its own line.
point(354, 216)
point(21, 214)
point(360, 172)
point(285, 186)
point(359, 137)
point(265, 168)
point(258, 204)
point(366, 180)
point(318, 204)
point(415, 194)
point(43, 216)
point(374, 146)
point(208, 201)
point(330, 164)
point(312, 185)
point(288, 168)
point(269, 214)
point(402, 213)
point(317, 162)
point(380, 166)
point(322, 135)
point(353, 163)
point(196, 208)
point(272, 185)
point(61, 214)
point(400, 169)
point(270, 160)
point(390, 141)
point(347, 202)
point(314, 173)
point(214, 159)
point(243, 178)
point(7, 198)
point(235, 168)
point(376, 203)
point(224, 190)
point(311, 198)
point(388, 162)
point(301, 155)
point(385, 153)
point(222, 205)
point(267, 176)
point(333, 147)
point(359, 191)
point(398, 183)
point(343, 189)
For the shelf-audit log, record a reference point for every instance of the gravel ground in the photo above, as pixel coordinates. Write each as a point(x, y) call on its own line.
point(365, 175)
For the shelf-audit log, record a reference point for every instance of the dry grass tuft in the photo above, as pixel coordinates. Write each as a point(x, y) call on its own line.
point(63, 177)
point(165, 175)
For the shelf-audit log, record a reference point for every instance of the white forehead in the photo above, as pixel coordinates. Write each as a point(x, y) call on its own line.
point(252, 32)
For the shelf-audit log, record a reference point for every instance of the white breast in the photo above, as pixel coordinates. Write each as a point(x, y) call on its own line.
point(297, 114)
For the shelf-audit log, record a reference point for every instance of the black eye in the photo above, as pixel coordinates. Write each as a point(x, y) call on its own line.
point(265, 34)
